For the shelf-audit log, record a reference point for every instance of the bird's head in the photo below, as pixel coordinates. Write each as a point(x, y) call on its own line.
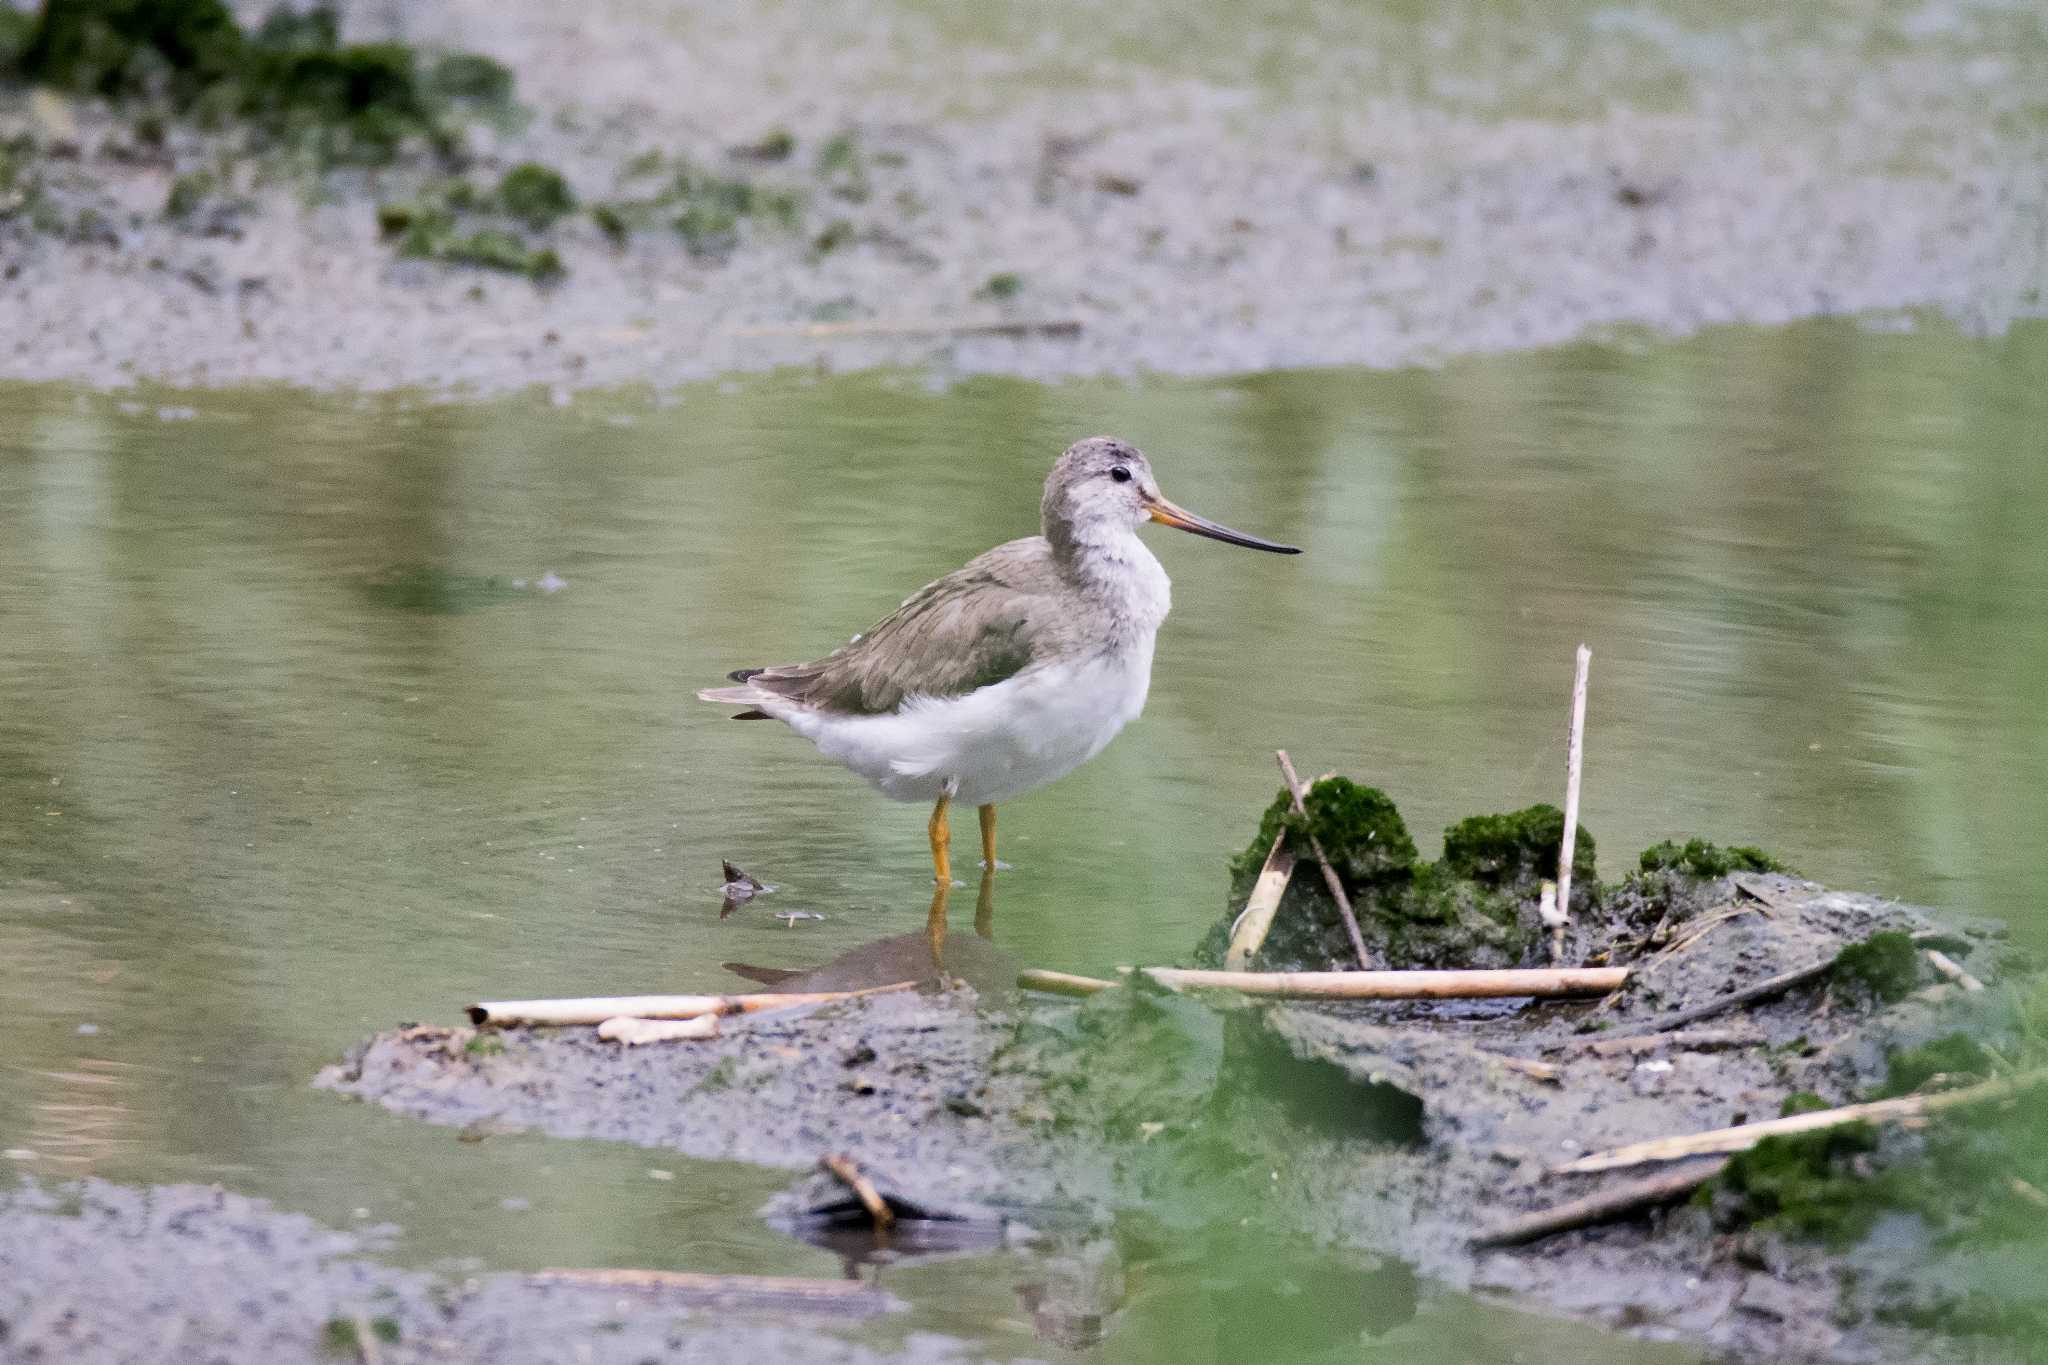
point(1103, 485)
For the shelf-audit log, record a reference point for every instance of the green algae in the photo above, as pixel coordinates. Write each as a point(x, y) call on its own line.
point(340, 1337)
point(458, 223)
point(535, 195)
point(1951, 1055)
point(1411, 913)
point(707, 210)
point(133, 47)
point(1698, 858)
point(1358, 828)
point(1807, 1185)
point(292, 78)
point(1499, 850)
point(1884, 967)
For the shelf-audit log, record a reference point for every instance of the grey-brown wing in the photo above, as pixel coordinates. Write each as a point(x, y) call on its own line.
point(969, 630)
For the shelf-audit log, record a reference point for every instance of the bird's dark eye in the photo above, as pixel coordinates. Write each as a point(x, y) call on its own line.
point(1120, 474)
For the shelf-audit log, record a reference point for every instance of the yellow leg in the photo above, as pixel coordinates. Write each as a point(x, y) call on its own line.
point(935, 927)
point(985, 905)
point(942, 843)
point(988, 837)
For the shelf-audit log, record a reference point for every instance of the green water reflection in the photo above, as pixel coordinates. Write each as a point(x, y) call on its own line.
point(299, 738)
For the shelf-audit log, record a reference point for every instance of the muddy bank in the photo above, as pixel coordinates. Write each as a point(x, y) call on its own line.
point(907, 1080)
point(709, 173)
point(93, 1272)
point(1408, 1131)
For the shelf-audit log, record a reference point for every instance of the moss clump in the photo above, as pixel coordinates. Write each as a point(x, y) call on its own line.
point(1955, 1054)
point(1500, 849)
point(614, 221)
point(710, 212)
point(843, 168)
point(1698, 858)
point(133, 47)
point(720, 1077)
point(497, 249)
point(188, 192)
point(484, 1045)
point(292, 78)
point(16, 28)
point(477, 81)
point(837, 233)
point(338, 1335)
point(457, 223)
point(535, 195)
point(1359, 829)
point(1884, 967)
point(1802, 1102)
point(1412, 914)
point(778, 144)
point(1007, 284)
point(1804, 1184)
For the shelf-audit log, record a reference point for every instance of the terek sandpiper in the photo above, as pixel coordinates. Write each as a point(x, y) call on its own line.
point(1007, 673)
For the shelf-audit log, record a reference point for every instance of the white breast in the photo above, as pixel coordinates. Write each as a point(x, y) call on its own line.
point(998, 742)
point(1016, 735)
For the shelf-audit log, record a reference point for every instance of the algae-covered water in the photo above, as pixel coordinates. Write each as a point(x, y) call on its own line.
point(319, 714)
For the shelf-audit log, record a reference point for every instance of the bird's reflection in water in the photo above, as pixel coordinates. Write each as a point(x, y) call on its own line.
point(931, 956)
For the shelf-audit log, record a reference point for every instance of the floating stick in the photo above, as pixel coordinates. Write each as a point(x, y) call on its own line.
point(1542, 982)
point(597, 1009)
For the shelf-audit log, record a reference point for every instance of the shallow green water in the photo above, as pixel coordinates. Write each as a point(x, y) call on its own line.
point(286, 757)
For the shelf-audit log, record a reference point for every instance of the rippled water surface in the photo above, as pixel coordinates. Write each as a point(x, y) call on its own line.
point(319, 714)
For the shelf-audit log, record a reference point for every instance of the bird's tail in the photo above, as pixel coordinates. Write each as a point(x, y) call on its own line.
point(744, 694)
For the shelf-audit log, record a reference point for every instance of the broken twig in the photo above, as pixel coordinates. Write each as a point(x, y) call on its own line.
point(1744, 1136)
point(1953, 970)
point(1061, 983)
point(843, 1169)
point(1315, 846)
point(1605, 1205)
point(1574, 768)
point(1762, 990)
point(597, 1009)
point(1249, 934)
point(1776, 985)
point(1545, 982)
point(634, 1031)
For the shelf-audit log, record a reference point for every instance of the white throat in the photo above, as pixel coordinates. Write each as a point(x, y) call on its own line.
point(1123, 577)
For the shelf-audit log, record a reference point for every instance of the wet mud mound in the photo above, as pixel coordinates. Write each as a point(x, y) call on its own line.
point(904, 1080)
point(1752, 994)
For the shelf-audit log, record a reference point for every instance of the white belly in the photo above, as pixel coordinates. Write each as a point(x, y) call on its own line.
point(995, 743)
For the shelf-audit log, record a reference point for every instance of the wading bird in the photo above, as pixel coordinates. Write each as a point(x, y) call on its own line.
point(1007, 673)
